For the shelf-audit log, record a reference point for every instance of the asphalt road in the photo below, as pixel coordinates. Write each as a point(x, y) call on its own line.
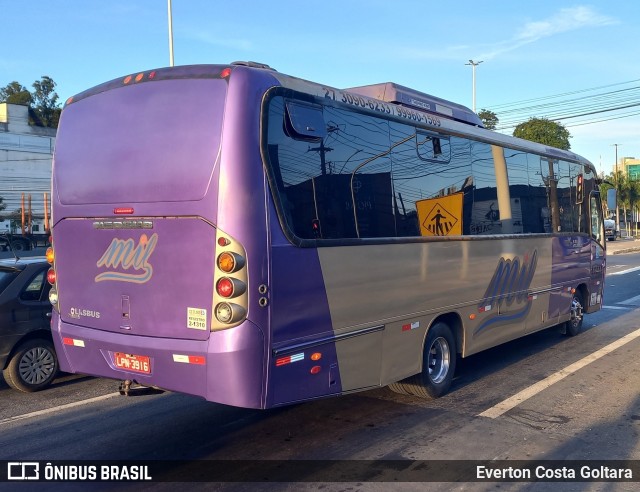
point(543, 397)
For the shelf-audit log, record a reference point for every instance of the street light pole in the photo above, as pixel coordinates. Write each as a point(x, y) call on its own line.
point(617, 190)
point(474, 64)
point(170, 34)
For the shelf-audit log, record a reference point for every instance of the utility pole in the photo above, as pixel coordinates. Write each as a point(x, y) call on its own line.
point(322, 150)
point(474, 64)
point(170, 33)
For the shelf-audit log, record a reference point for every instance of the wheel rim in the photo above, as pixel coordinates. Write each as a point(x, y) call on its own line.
point(576, 312)
point(36, 365)
point(439, 360)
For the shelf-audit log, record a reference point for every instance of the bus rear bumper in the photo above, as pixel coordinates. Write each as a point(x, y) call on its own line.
point(228, 368)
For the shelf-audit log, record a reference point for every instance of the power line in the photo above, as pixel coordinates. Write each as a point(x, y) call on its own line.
point(560, 108)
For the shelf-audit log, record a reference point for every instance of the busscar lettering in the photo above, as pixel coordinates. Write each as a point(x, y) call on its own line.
point(123, 255)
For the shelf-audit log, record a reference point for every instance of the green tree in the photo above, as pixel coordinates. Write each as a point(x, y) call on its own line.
point(44, 109)
point(489, 119)
point(45, 101)
point(15, 93)
point(544, 131)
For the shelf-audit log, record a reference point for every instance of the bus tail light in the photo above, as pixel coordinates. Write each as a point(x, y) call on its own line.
point(230, 282)
point(230, 262)
point(53, 292)
point(53, 297)
point(229, 287)
point(51, 275)
point(228, 312)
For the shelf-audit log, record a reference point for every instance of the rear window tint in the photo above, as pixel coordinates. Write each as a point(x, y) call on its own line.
point(6, 277)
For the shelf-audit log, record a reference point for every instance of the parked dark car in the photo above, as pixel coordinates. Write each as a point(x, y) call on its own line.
point(27, 355)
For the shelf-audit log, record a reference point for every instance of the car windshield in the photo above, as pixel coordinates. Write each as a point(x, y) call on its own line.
point(6, 277)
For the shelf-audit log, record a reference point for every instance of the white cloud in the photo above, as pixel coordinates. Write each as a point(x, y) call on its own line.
point(565, 20)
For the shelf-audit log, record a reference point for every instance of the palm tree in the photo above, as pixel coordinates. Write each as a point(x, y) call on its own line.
point(634, 199)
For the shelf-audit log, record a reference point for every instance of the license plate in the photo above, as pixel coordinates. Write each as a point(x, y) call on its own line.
point(135, 363)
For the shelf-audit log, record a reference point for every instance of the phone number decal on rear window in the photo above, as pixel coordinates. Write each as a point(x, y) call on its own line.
point(410, 114)
point(375, 105)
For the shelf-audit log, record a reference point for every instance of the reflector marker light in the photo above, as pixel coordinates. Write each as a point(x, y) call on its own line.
point(72, 341)
point(123, 210)
point(225, 73)
point(190, 359)
point(411, 326)
point(315, 369)
point(289, 359)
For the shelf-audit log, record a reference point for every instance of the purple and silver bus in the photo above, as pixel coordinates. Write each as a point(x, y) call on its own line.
point(256, 239)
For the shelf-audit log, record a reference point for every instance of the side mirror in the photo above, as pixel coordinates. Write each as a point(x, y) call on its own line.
point(611, 199)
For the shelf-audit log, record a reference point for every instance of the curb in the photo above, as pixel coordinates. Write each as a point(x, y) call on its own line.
point(626, 250)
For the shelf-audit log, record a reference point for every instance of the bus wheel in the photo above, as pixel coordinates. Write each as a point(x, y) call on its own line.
point(574, 325)
point(438, 366)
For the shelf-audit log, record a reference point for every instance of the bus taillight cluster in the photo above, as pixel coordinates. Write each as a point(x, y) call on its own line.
point(51, 278)
point(230, 296)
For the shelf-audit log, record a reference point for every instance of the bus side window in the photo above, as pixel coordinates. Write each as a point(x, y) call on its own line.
point(433, 147)
point(304, 121)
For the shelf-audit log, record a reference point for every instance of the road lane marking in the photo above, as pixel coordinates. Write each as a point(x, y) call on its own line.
point(525, 394)
point(622, 272)
point(621, 308)
point(634, 301)
point(57, 409)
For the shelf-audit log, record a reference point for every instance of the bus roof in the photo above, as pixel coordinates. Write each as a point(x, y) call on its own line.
point(395, 93)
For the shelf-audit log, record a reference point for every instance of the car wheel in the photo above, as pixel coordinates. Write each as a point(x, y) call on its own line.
point(33, 367)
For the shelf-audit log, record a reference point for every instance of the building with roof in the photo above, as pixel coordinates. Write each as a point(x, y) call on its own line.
point(26, 153)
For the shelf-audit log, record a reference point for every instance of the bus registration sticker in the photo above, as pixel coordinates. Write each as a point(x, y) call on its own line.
point(197, 318)
point(134, 363)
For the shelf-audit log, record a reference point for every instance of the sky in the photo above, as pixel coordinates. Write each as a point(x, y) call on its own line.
point(529, 50)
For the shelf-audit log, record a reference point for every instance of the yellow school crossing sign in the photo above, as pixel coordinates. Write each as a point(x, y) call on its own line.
point(441, 216)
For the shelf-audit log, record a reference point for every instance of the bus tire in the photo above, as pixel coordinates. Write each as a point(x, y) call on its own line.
point(574, 325)
point(438, 366)
point(400, 388)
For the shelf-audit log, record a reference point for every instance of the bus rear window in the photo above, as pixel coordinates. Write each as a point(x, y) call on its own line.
point(144, 143)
